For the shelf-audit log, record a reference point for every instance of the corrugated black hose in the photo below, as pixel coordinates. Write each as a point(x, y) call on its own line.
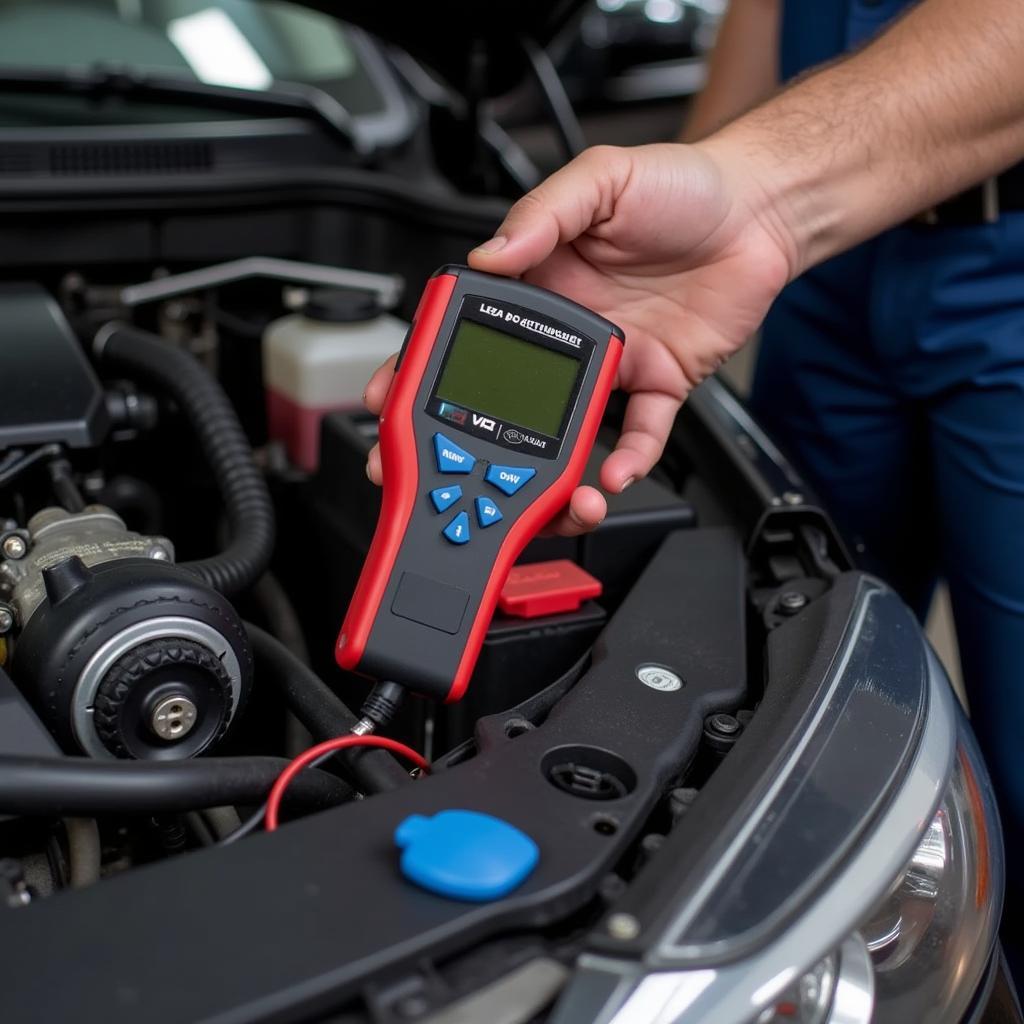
point(145, 357)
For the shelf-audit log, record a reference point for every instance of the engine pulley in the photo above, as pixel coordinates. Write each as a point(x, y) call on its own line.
point(133, 657)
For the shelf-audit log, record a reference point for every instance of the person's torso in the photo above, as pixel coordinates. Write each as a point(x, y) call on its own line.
point(814, 31)
point(937, 306)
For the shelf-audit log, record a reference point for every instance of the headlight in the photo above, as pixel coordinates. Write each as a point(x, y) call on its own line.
point(838, 989)
point(920, 954)
point(931, 937)
point(900, 926)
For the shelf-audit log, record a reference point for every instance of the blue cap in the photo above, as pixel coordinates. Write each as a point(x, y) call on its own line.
point(465, 855)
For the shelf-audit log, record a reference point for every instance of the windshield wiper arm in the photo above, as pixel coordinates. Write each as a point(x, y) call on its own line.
point(166, 87)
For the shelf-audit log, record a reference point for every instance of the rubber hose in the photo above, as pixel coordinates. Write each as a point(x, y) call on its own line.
point(279, 613)
point(83, 851)
point(320, 710)
point(80, 786)
point(222, 821)
point(282, 621)
point(250, 513)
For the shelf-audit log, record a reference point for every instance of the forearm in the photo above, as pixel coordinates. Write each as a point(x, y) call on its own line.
point(932, 106)
point(742, 68)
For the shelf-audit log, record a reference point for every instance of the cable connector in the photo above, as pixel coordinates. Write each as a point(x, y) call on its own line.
point(379, 708)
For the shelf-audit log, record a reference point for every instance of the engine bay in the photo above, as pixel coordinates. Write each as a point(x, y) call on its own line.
point(176, 555)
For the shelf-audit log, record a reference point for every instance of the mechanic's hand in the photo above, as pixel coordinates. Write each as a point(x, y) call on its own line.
point(676, 245)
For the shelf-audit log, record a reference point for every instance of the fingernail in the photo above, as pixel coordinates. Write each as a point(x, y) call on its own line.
point(629, 483)
point(494, 245)
point(368, 477)
point(575, 518)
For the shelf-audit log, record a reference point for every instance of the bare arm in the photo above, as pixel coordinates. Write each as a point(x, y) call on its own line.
point(932, 106)
point(743, 67)
point(686, 247)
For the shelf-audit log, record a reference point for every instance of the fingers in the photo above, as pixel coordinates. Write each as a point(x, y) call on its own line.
point(377, 388)
point(374, 469)
point(560, 209)
point(585, 510)
point(645, 429)
point(373, 397)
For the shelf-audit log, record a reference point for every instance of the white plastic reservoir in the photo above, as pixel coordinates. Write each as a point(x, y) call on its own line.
point(319, 360)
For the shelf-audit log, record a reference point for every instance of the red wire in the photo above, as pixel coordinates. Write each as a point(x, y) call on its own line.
point(284, 780)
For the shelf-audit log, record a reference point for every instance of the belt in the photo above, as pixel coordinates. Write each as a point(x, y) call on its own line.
point(982, 204)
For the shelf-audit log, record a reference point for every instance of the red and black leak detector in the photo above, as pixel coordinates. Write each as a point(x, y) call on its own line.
point(485, 433)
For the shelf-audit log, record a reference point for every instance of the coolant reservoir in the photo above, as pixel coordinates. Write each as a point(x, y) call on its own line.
point(319, 360)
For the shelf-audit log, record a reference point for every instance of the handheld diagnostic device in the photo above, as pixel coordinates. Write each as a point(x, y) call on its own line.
point(490, 419)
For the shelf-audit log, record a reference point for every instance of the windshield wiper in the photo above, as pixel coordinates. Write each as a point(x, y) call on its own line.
point(102, 80)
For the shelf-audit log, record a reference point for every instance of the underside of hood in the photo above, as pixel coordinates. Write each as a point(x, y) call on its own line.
point(472, 44)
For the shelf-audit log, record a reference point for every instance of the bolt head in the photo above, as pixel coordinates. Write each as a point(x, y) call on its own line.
point(15, 546)
point(6, 620)
point(792, 601)
point(724, 724)
point(623, 927)
point(173, 718)
point(793, 498)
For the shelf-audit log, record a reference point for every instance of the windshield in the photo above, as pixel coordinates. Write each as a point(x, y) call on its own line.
point(250, 44)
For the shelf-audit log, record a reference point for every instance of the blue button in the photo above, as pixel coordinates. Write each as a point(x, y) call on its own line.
point(450, 457)
point(487, 512)
point(509, 478)
point(465, 855)
point(445, 497)
point(457, 531)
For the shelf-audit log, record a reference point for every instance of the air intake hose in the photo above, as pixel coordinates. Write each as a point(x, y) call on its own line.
point(147, 358)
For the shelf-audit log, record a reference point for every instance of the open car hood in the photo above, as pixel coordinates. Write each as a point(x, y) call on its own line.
point(451, 36)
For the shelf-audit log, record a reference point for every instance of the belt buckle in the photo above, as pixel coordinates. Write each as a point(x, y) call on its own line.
point(987, 192)
point(990, 200)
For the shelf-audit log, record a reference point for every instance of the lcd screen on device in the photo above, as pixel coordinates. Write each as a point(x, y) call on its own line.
point(507, 378)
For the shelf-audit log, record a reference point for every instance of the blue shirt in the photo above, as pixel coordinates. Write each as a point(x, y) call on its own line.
point(814, 31)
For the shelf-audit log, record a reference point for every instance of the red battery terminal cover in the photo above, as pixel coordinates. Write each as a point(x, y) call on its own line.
point(547, 588)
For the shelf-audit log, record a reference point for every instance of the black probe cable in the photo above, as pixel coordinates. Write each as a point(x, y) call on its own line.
point(325, 715)
point(379, 708)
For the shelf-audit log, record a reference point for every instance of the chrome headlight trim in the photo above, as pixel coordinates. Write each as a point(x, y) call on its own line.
point(940, 917)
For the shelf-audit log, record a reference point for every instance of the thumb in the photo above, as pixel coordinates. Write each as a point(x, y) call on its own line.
point(559, 210)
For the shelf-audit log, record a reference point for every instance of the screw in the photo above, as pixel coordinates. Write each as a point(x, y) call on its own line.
point(623, 927)
point(793, 498)
point(791, 602)
point(611, 887)
point(15, 546)
point(159, 554)
point(6, 619)
point(652, 843)
point(173, 718)
point(724, 724)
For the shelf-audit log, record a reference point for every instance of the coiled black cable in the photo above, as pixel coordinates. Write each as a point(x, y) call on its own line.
point(250, 513)
point(81, 786)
